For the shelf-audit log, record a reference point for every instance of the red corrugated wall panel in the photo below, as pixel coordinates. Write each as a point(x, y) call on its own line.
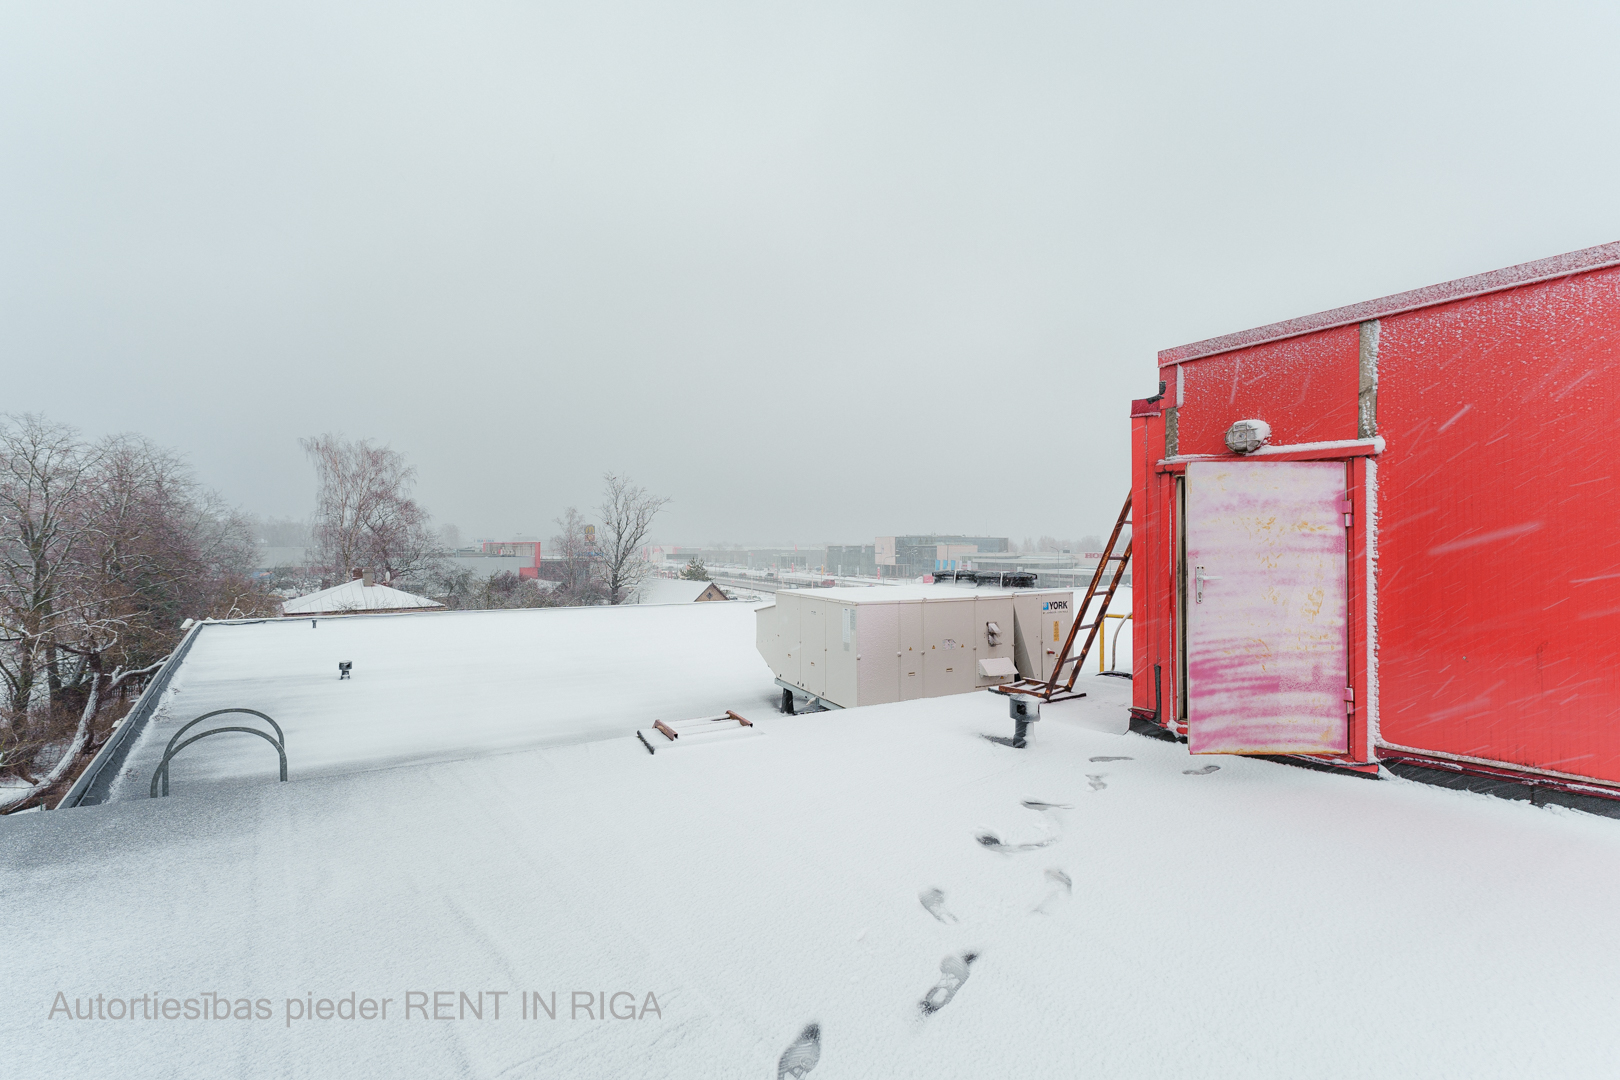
point(1499, 536)
point(1305, 388)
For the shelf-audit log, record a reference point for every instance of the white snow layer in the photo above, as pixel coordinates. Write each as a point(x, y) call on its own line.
point(658, 590)
point(1259, 920)
point(355, 595)
point(435, 686)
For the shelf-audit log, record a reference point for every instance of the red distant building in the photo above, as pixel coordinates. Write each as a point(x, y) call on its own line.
point(1421, 564)
point(526, 549)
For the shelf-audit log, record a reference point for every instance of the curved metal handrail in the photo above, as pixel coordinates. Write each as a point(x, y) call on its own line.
point(162, 772)
point(280, 736)
point(1114, 667)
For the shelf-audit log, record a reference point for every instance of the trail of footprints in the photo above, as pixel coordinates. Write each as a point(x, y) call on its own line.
point(804, 1052)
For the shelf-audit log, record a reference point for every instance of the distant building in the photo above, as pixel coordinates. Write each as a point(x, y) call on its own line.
point(529, 549)
point(914, 556)
point(905, 557)
point(758, 558)
point(527, 552)
point(678, 591)
point(852, 560)
point(358, 596)
point(1053, 568)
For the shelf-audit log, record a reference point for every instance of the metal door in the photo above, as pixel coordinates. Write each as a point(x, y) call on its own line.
point(948, 633)
point(813, 646)
point(877, 639)
point(910, 649)
point(1267, 612)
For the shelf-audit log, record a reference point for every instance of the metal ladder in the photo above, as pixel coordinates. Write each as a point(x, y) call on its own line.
point(1049, 689)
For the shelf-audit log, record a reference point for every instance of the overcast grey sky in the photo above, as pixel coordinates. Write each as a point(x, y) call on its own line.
point(815, 271)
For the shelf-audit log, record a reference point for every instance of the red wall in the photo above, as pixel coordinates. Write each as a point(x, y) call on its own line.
point(1499, 531)
point(1152, 571)
point(1305, 388)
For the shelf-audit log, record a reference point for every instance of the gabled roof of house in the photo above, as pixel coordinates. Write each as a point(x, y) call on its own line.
point(356, 596)
point(672, 591)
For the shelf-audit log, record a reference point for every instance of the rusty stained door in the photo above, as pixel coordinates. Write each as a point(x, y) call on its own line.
point(1267, 613)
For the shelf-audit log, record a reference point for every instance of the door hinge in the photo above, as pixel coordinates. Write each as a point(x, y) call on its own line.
point(1347, 508)
point(1349, 699)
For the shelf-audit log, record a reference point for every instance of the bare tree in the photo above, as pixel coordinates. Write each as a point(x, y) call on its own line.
point(162, 549)
point(461, 589)
point(627, 516)
point(46, 475)
point(104, 550)
point(577, 562)
point(364, 513)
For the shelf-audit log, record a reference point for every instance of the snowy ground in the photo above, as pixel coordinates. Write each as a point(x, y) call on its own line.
point(1258, 920)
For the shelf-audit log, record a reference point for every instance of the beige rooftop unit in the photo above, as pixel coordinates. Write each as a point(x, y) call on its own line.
point(866, 646)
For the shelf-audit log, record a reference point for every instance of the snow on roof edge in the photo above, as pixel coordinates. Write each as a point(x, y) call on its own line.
point(1530, 273)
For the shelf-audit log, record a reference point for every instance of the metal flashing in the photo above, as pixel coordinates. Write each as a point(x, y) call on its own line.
point(1512, 277)
point(95, 782)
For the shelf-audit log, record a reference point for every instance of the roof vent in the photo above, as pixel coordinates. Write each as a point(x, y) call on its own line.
point(1247, 436)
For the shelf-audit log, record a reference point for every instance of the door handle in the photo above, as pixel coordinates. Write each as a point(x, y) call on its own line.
point(1198, 585)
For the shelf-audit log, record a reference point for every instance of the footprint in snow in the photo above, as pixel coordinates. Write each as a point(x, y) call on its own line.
point(995, 843)
point(1062, 886)
point(801, 1055)
point(1105, 757)
point(953, 972)
point(1096, 781)
point(933, 900)
point(1205, 771)
point(1036, 804)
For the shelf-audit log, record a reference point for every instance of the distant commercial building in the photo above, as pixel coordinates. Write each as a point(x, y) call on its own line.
point(1053, 569)
point(757, 558)
point(529, 549)
point(527, 552)
point(914, 556)
point(852, 560)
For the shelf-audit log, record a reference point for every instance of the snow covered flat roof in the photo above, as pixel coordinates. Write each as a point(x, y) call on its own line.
point(435, 685)
point(1157, 920)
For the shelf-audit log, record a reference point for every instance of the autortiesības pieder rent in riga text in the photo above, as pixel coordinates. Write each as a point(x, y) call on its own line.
point(417, 1005)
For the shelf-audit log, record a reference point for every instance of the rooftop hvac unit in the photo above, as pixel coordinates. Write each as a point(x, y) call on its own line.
point(865, 646)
